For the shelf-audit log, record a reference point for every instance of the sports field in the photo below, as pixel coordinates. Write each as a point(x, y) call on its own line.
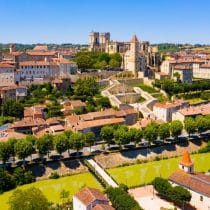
point(141, 174)
point(52, 188)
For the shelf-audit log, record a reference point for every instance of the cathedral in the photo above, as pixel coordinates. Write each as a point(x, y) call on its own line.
point(138, 57)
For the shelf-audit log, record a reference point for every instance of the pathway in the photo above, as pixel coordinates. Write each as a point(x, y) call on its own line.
point(102, 173)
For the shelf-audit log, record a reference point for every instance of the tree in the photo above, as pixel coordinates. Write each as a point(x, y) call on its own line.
point(23, 149)
point(190, 125)
point(68, 134)
point(86, 87)
point(164, 131)
point(77, 140)
point(64, 194)
point(29, 199)
point(150, 133)
point(180, 194)
point(47, 141)
point(21, 176)
point(61, 143)
point(11, 143)
point(107, 134)
point(201, 123)
point(13, 108)
point(31, 138)
point(121, 137)
point(176, 128)
point(4, 152)
point(135, 135)
point(6, 181)
point(89, 139)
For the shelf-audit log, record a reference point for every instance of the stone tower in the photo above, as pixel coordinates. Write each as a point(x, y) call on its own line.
point(131, 58)
point(94, 41)
point(11, 48)
point(186, 164)
point(104, 38)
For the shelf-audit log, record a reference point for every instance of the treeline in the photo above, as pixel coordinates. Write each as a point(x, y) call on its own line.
point(23, 47)
point(13, 179)
point(173, 88)
point(23, 148)
point(177, 193)
point(120, 198)
point(97, 60)
point(117, 134)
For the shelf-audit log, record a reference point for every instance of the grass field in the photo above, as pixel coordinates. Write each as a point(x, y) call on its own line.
point(141, 174)
point(52, 188)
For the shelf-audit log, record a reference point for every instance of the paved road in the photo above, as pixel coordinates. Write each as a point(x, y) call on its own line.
point(103, 174)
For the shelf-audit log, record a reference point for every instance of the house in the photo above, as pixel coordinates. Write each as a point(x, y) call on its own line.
point(191, 111)
point(61, 84)
point(197, 183)
point(90, 199)
point(94, 121)
point(164, 111)
point(183, 73)
point(14, 92)
point(201, 70)
point(28, 125)
point(72, 105)
point(7, 75)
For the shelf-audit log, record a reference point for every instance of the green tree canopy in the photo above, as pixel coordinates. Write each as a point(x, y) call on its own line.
point(61, 143)
point(23, 148)
point(107, 134)
point(150, 133)
point(176, 128)
point(164, 131)
point(4, 152)
point(29, 199)
point(190, 125)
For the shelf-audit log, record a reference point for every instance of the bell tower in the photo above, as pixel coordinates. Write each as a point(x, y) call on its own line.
point(93, 41)
point(186, 164)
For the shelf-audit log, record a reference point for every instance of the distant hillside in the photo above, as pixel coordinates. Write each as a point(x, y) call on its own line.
point(22, 47)
point(171, 47)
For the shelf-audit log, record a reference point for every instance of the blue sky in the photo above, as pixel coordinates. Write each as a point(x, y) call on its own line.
point(70, 21)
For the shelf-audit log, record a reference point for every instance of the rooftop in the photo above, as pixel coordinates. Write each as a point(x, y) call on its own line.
point(196, 181)
point(88, 195)
point(186, 159)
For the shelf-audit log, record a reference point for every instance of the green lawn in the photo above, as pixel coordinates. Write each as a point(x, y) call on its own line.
point(141, 174)
point(147, 88)
point(52, 187)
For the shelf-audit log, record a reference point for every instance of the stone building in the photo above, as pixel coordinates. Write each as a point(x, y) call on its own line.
point(137, 56)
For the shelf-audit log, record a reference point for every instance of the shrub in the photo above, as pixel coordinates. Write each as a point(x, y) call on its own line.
point(121, 200)
point(54, 175)
point(176, 193)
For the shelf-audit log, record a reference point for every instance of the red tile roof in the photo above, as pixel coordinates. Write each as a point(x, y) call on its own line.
point(197, 182)
point(88, 195)
point(6, 65)
point(134, 39)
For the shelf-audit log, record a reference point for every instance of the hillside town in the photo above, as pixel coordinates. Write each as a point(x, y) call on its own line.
point(111, 124)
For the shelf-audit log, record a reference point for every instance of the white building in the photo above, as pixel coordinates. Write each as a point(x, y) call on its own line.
point(66, 67)
point(7, 75)
point(197, 183)
point(201, 70)
point(38, 69)
point(164, 111)
point(90, 199)
point(184, 73)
